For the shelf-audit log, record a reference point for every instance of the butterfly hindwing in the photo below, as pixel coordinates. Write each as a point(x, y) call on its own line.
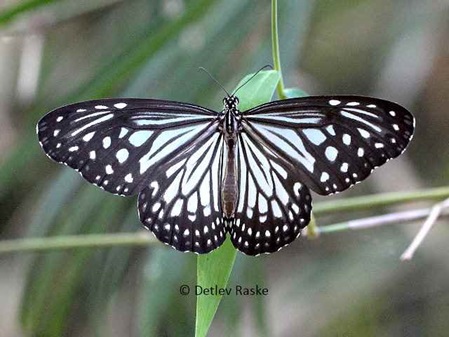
point(182, 205)
point(334, 141)
point(117, 143)
point(273, 204)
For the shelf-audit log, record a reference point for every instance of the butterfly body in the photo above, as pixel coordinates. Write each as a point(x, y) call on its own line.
point(231, 128)
point(201, 175)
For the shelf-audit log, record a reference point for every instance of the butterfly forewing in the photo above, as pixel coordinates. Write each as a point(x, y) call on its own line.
point(334, 142)
point(273, 204)
point(117, 144)
point(181, 204)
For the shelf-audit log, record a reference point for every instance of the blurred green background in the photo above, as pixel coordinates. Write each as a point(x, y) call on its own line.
point(347, 284)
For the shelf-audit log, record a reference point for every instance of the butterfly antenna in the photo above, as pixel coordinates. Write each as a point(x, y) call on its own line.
point(215, 80)
point(249, 79)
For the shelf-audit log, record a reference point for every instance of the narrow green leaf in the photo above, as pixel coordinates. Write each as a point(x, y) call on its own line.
point(123, 67)
point(214, 269)
point(213, 272)
point(10, 13)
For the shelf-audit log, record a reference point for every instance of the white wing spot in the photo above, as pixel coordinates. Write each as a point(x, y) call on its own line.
point(353, 103)
point(324, 177)
point(364, 133)
point(297, 189)
point(106, 142)
point(122, 155)
point(396, 127)
point(88, 136)
point(73, 148)
point(155, 187)
point(60, 118)
point(123, 132)
point(81, 110)
point(129, 178)
point(379, 145)
point(156, 207)
point(344, 167)
point(295, 208)
point(360, 152)
point(331, 130)
point(334, 102)
point(120, 105)
point(331, 153)
point(56, 132)
point(101, 107)
point(267, 233)
point(109, 169)
point(92, 155)
point(371, 106)
point(392, 113)
point(346, 139)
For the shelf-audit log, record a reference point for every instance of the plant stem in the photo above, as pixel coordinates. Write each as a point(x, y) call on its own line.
point(376, 221)
point(380, 200)
point(275, 49)
point(77, 241)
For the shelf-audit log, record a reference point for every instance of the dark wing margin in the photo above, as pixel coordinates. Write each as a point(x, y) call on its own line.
point(182, 205)
point(118, 143)
point(334, 142)
point(273, 204)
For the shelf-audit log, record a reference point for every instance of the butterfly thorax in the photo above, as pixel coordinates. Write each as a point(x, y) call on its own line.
point(229, 189)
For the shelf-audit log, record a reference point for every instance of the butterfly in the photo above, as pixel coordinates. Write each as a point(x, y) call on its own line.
point(201, 175)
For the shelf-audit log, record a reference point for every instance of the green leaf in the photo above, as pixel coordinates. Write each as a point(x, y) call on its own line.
point(258, 90)
point(294, 92)
point(214, 269)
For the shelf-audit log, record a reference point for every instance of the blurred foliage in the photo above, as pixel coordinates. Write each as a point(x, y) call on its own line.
point(348, 284)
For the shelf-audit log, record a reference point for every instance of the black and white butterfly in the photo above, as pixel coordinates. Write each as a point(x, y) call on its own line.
point(201, 174)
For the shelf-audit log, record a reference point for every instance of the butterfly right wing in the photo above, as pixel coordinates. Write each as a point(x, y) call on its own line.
point(273, 204)
point(118, 143)
point(333, 141)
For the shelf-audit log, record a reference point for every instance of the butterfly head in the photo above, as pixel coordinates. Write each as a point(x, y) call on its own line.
point(230, 103)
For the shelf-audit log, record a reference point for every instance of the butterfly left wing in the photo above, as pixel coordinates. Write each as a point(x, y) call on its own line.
point(181, 204)
point(273, 204)
point(117, 144)
point(332, 141)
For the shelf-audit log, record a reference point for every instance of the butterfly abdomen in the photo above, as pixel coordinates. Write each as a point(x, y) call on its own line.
point(229, 189)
